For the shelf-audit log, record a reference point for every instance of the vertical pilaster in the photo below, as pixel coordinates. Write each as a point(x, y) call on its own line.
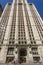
point(16, 28)
point(16, 55)
point(40, 52)
point(16, 35)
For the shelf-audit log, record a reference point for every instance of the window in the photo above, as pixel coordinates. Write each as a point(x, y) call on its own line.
point(10, 51)
point(25, 42)
point(22, 52)
point(19, 42)
point(37, 59)
point(0, 49)
point(30, 4)
point(19, 3)
point(42, 41)
point(31, 42)
point(35, 53)
point(9, 3)
point(34, 48)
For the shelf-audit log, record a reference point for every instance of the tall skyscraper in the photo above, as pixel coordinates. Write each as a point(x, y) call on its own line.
point(21, 34)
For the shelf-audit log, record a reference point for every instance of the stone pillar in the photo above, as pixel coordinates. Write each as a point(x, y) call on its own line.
point(7, 35)
point(40, 52)
point(16, 35)
point(16, 55)
point(29, 56)
point(16, 28)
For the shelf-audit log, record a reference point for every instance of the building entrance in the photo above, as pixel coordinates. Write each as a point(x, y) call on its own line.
point(22, 55)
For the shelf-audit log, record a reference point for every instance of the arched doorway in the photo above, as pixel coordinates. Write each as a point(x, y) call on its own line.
point(22, 55)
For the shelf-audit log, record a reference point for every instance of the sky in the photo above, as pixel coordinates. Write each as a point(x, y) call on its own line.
point(38, 4)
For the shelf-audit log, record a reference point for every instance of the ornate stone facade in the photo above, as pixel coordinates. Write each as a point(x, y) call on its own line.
point(21, 34)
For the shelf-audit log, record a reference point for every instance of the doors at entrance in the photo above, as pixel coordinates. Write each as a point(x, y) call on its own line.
point(22, 55)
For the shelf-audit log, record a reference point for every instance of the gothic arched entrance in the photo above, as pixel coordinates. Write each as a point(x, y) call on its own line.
point(22, 55)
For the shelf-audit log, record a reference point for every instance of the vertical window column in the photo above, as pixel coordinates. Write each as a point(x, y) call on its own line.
point(25, 25)
point(7, 34)
point(26, 32)
point(12, 33)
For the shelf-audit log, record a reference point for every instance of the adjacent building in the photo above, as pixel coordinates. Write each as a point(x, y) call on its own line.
point(21, 34)
point(1, 10)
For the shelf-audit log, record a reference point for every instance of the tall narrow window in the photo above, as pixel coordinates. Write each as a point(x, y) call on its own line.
point(10, 51)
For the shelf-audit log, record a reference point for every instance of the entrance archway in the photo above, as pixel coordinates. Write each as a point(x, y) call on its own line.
point(22, 55)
